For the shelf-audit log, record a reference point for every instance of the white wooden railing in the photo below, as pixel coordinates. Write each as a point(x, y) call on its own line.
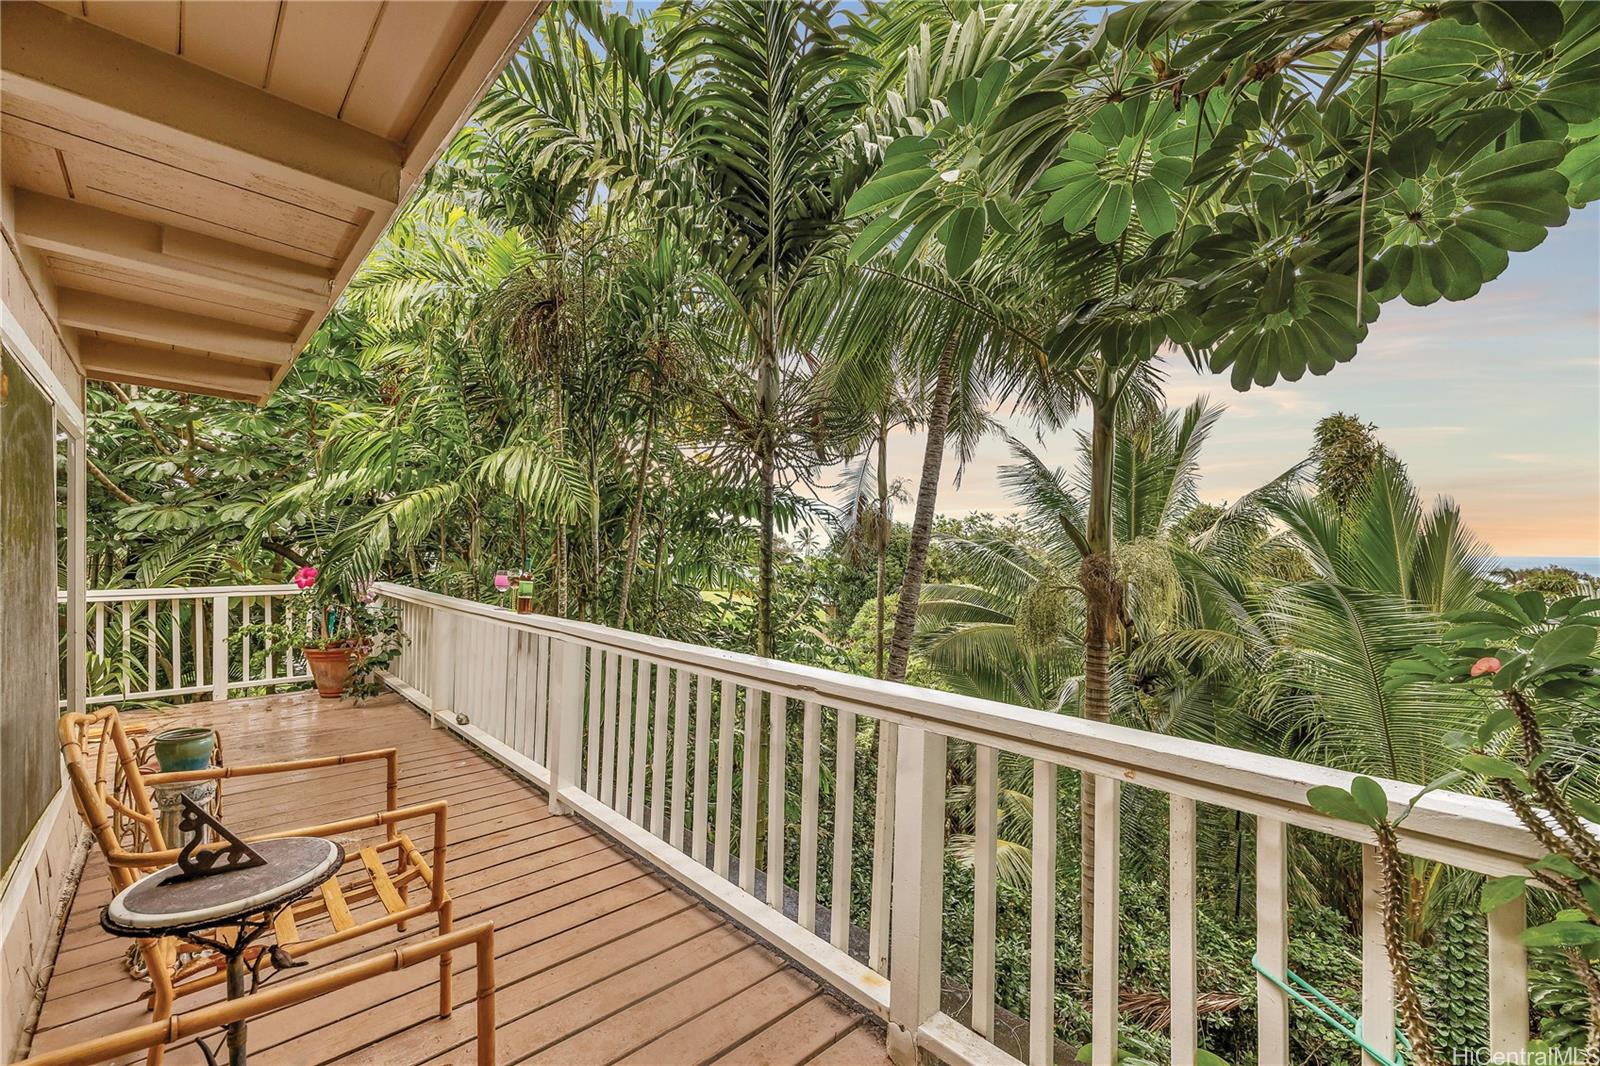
point(641, 735)
point(153, 644)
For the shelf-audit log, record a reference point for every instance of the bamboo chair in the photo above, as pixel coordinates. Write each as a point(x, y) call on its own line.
point(154, 1036)
point(114, 768)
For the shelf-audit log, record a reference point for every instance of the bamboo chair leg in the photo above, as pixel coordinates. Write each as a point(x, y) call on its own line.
point(158, 967)
point(447, 960)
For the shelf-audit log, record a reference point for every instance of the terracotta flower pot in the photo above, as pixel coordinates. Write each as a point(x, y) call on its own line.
point(330, 668)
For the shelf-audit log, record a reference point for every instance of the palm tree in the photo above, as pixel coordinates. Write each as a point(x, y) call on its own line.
point(769, 94)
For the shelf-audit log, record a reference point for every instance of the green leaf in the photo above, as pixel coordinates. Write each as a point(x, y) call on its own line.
point(876, 236)
point(1157, 214)
point(989, 86)
point(1112, 220)
point(1410, 153)
point(1495, 769)
point(1533, 605)
point(1567, 646)
point(878, 192)
point(1520, 25)
point(1337, 803)
point(1074, 205)
point(1499, 891)
point(1561, 935)
point(1106, 125)
point(1559, 864)
point(1527, 158)
point(965, 241)
point(1370, 797)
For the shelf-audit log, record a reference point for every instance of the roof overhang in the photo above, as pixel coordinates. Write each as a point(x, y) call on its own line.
point(197, 182)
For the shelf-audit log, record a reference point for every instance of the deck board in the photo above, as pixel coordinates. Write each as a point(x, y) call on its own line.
point(598, 959)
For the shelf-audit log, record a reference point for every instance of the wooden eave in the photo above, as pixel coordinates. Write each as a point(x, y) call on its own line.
point(191, 185)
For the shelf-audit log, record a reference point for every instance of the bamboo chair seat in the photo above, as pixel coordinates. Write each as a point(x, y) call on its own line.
point(374, 889)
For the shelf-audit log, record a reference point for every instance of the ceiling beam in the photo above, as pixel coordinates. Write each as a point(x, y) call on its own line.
point(63, 227)
point(163, 368)
point(238, 132)
point(159, 325)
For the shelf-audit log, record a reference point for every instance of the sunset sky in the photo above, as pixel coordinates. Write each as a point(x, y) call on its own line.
point(1494, 401)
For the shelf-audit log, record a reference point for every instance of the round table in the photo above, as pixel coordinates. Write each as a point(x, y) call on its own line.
point(247, 899)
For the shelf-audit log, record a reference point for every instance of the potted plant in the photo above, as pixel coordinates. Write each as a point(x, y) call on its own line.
point(345, 634)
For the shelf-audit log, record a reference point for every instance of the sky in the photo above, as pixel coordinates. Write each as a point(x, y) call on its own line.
point(1494, 401)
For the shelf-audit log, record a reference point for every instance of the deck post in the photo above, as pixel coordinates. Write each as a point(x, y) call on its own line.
point(219, 646)
point(566, 721)
point(917, 908)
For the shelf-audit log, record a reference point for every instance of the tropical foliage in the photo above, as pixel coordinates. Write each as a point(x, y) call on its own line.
point(650, 330)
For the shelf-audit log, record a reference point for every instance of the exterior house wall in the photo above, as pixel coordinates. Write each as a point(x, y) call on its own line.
point(43, 392)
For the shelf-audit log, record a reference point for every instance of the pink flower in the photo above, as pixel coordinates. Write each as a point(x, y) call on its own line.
point(305, 577)
point(1486, 665)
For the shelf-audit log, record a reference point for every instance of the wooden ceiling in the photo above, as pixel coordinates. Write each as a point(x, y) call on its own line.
point(196, 181)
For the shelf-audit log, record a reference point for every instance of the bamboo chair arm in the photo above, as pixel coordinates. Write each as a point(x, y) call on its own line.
point(218, 773)
point(480, 936)
point(437, 809)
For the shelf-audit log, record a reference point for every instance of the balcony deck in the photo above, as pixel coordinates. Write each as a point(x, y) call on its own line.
point(598, 958)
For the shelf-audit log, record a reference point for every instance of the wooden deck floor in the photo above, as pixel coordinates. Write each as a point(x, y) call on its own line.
point(598, 959)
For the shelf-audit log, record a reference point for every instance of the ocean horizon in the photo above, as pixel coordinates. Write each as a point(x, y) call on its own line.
point(1583, 564)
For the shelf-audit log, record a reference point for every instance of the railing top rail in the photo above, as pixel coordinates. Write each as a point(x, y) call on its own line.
point(1471, 832)
point(197, 591)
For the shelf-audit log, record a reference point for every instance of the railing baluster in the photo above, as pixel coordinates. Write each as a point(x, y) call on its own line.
point(1272, 939)
point(100, 630)
point(152, 677)
point(725, 745)
point(245, 606)
point(750, 790)
point(658, 752)
point(702, 764)
point(491, 668)
point(680, 754)
point(918, 908)
point(626, 699)
point(984, 833)
point(641, 741)
point(1508, 979)
point(272, 660)
point(811, 738)
point(777, 814)
point(1107, 914)
point(596, 678)
point(174, 623)
point(566, 720)
point(612, 700)
point(1042, 948)
point(844, 816)
point(219, 646)
point(197, 618)
point(126, 649)
point(533, 710)
point(882, 848)
point(1377, 979)
point(1180, 909)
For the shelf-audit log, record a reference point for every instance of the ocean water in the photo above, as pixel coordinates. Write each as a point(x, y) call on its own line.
point(1583, 564)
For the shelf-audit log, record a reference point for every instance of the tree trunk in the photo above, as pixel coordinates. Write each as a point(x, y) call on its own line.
point(883, 533)
point(1102, 606)
point(905, 615)
point(635, 520)
point(766, 458)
